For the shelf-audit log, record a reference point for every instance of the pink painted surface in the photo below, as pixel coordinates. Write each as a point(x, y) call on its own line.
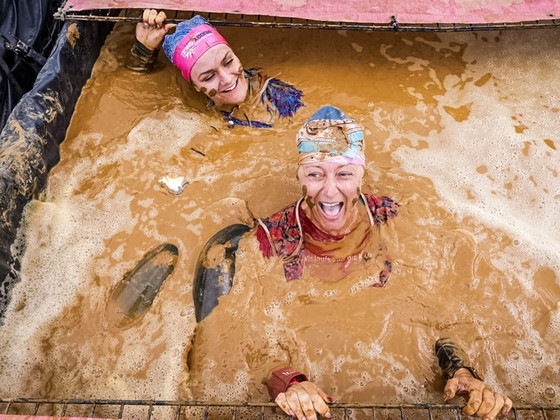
point(20, 417)
point(379, 11)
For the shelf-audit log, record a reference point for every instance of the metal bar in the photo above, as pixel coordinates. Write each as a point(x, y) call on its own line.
point(121, 411)
point(64, 408)
point(402, 413)
point(544, 414)
point(178, 415)
point(262, 413)
point(150, 411)
point(37, 405)
point(234, 414)
point(206, 413)
point(515, 413)
point(92, 410)
point(97, 402)
point(399, 27)
point(7, 408)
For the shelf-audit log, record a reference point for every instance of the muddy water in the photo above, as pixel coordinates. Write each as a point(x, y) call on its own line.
point(461, 129)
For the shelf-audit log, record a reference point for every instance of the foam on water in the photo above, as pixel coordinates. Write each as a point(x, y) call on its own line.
point(496, 166)
point(64, 238)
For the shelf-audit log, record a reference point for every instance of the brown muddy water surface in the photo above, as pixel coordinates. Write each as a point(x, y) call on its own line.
point(461, 129)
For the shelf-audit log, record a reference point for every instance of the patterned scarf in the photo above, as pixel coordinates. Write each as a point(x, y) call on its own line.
point(279, 98)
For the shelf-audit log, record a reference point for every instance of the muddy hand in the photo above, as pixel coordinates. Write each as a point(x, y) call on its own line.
point(303, 400)
point(152, 30)
point(483, 401)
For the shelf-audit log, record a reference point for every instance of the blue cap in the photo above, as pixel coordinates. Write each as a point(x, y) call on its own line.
point(328, 112)
point(183, 28)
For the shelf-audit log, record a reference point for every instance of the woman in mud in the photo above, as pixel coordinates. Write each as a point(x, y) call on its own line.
point(243, 97)
point(332, 232)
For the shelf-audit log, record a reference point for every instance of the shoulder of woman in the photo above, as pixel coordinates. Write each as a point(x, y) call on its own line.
point(382, 207)
point(285, 97)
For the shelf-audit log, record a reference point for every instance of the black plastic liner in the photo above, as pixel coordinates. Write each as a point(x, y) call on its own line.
point(29, 142)
point(28, 32)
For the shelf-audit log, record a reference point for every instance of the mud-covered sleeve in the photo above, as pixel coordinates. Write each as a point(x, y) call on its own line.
point(141, 58)
point(451, 358)
point(280, 379)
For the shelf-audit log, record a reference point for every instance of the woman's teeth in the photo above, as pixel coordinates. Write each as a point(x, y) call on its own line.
point(231, 87)
point(331, 209)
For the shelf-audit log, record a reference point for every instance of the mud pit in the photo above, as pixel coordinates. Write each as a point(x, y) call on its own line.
point(461, 129)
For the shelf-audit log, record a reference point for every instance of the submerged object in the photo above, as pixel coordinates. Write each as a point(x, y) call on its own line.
point(136, 292)
point(215, 269)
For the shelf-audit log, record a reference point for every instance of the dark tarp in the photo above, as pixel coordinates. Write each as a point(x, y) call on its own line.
point(29, 142)
point(27, 34)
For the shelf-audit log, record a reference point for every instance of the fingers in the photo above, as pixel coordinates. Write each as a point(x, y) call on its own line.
point(324, 396)
point(475, 399)
point(486, 404)
point(151, 17)
point(303, 401)
point(290, 403)
point(494, 411)
point(169, 26)
point(160, 17)
point(482, 401)
point(145, 17)
point(501, 404)
point(300, 404)
point(507, 405)
point(319, 399)
point(450, 389)
point(282, 402)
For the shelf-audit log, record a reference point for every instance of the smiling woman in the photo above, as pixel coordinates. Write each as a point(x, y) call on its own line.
point(207, 62)
point(330, 234)
point(330, 230)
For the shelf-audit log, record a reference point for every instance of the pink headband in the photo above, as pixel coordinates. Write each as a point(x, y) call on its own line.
point(193, 46)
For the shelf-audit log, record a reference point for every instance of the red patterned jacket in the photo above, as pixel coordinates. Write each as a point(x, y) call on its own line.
point(281, 234)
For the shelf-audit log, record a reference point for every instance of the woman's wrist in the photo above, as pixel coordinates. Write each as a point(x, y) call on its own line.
point(466, 371)
point(141, 58)
point(452, 359)
point(280, 380)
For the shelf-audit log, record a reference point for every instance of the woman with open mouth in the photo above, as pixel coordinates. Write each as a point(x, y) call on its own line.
point(207, 62)
point(332, 231)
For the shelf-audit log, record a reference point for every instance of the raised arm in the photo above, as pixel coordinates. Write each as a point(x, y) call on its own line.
point(150, 34)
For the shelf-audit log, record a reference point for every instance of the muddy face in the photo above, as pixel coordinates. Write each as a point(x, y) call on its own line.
point(330, 190)
point(220, 73)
